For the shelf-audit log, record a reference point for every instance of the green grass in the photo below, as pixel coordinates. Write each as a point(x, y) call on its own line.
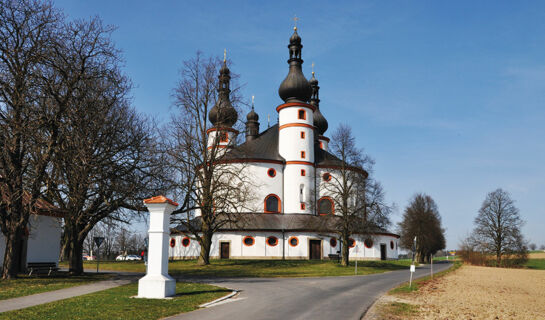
point(263, 268)
point(399, 310)
point(117, 303)
point(538, 264)
point(25, 285)
point(405, 288)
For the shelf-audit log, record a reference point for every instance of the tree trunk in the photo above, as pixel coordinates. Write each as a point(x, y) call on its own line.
point(75, 251)
point(12, 255)
point(345, 251)
point(206, 244)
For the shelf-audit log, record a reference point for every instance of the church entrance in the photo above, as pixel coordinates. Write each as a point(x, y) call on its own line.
point(224, 250)
point(315, 249)
point(382, 251)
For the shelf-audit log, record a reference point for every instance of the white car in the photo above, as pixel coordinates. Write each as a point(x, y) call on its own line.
point(133, 257)
point(121, 257)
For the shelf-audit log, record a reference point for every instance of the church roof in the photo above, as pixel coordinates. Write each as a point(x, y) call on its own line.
point(277, 222)
point(263, 147)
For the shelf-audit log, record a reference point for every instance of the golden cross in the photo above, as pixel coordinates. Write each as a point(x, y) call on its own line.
point(312, 67)
point(253, 101)
point(295, 22)
point(224, 55)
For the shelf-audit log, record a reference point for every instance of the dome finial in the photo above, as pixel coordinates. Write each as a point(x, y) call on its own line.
point(295, 22)
point(223, 114)
point(224, 55)
point(312, 68)
point(253, 97)
point(295, 87)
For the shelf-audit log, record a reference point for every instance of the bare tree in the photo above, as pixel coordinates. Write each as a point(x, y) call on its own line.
point(542, 247)
point(421, 219)
point(28, 120)
point(532, 246)
point(358, 200)
point(497, 226)
point(205, 180)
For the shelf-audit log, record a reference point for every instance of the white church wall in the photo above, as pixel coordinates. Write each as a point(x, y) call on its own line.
point(44, 239)
point(264, 185)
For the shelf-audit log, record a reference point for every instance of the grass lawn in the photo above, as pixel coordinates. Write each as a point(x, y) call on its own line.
point(25, 285)
point(117, 303)
point(262, 268)
point(538, 264)
point(404, 288)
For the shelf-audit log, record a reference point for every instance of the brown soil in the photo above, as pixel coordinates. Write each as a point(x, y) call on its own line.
point(483, 293)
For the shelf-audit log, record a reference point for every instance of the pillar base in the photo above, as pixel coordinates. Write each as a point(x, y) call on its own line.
point(156, 287)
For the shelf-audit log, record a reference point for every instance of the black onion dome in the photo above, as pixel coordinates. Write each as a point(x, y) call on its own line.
point(319, 120)
point(252, 115)
point(295, 87)
point(223, 114)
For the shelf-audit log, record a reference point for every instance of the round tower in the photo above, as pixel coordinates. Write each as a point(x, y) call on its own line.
point(223, 115)
point(252, 124)
point(320, 121)
point(296, 133)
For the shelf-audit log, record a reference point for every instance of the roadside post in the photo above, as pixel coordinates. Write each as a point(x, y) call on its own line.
point(431, 266)
point(413, 268)
point(98, 241)
point(356, 268)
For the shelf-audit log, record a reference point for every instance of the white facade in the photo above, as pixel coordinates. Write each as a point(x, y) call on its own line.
point(43, 243)
point(186, 247)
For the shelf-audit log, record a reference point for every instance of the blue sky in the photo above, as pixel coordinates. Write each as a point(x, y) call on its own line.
point(448, 97)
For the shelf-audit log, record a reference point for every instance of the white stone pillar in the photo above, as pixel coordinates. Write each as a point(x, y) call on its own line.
point(157, 283)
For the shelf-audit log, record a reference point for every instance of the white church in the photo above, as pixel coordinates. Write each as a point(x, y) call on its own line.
point(292, 166)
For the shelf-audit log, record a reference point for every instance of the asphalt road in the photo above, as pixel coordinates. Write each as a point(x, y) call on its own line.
point(304, 298)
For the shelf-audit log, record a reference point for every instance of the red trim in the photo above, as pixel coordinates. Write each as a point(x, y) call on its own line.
point(330, 201)
point(248, 237)
point(302, 206)
point(353, 243)
point(296, 241)
point(187, 243)
point(300, 162)
point(221, 129)
point(347, 168)
point(272, 238)
point(333, 242)
point(326, 177)
point(304, 114)
point(295, 104)
point(302, 134)
point(303, 172)
point(303, 154)
point(321, 145)
point(323, 138)
point(172, 242)
point(160, 199)
point(272, 173)
point(224, 137)
point(366, 243)
point(250, 160)
point(218, 146)
point(265, 203)
point(296, 124)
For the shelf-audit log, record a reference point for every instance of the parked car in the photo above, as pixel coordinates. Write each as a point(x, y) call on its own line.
point(121, 257)
point(88, 257)
point(133, 257)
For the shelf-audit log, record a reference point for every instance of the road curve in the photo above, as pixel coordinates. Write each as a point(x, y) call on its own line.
point(303, 298)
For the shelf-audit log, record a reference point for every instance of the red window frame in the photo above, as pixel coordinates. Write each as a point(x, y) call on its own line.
point(296, 241)
point(351, 243)
point(303, 172)
point(368, 243)
point(224, 137)
point(271, 172)
point(326, 177)
point(330, 201)
point(186, 242)
point(172, 242)
point(303, 206)
point(302, 114)
point(265, 203)
point(302, 134)
point(248, 237)
point(333, 242)
point(303, 154)
point(321, 145)
point(275, 239)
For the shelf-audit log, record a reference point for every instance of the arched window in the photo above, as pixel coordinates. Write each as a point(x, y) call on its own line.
point(351, 243)
point(326, 176)
point(325, 206)
point(302, 134)
point(272, 204)
point(302, 114)
point(392, 245)
point(293, 241)
point(333, 242)
point(172, 242)
point(248, 241)
point(186, 241)
point(272, 241)
point(368, 243)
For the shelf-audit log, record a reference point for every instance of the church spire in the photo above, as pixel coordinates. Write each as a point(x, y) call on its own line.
point(252, 124)
point(223, 114)
point(295, 87)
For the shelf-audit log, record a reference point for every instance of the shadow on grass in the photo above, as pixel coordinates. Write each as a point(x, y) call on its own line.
point(194, 293)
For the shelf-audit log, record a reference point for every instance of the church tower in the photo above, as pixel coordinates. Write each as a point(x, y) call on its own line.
point(320, 121)
point(296, 133)
point(222, 116)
